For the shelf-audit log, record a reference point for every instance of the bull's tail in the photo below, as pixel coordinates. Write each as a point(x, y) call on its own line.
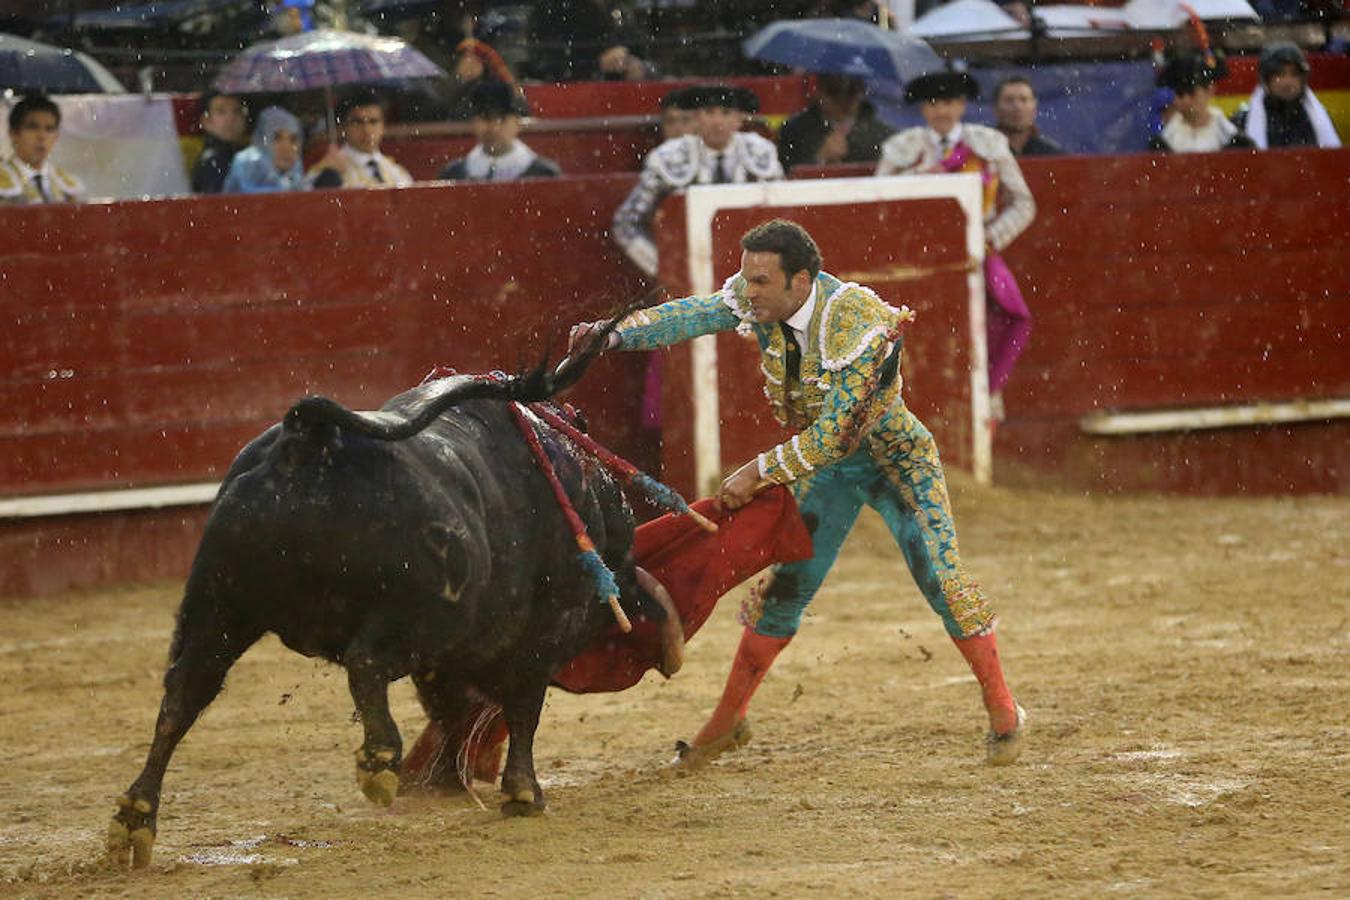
point(540, 383)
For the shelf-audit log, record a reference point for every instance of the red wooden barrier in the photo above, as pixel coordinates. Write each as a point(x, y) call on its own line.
point(1183, 281)
point(143, 343)
point(578, 146)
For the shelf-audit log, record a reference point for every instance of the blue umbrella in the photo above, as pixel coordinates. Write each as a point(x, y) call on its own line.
point(30, 66)
point(844, 47)
point(323, 59)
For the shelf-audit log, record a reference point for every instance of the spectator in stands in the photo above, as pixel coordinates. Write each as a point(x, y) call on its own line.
point(224, 123)
point(621, 64)
point(718, 153)
point(840, 125)
point(477, 63)
point(1283, 111)
point(27, 174)
point(292, 16)
point(946, 144)
point(1193, 124)
point(677, 114)
point(1015, 109)
point(578, 40)
point(272, 163)
point(358, 163)
point(499, 156)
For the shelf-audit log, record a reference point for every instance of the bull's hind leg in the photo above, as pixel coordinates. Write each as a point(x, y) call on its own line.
point(204, 648)
point(378, 758)
point(520, 788)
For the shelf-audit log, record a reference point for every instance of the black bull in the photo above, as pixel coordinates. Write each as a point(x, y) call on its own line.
point(421, 540)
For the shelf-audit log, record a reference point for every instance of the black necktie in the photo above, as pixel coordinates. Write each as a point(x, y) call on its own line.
point(42, 188)
point(719, 172)
point(792, 358)
point(375, 170)
point(945, 145)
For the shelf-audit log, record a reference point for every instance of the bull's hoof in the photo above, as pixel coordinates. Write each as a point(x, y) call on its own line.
point(131, 834)
point(1005, 749)
point(523, 802)
point(379, 787)
point(377, 775)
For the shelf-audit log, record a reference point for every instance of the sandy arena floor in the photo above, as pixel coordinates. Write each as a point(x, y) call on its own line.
point(1184, 663)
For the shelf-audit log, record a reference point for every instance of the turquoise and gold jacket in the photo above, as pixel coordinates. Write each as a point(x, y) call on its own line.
point(840, 402)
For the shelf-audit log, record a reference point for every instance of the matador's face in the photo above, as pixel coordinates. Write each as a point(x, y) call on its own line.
point(772, 295)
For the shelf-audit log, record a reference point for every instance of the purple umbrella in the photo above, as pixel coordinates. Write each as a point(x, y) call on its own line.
point(323, 59)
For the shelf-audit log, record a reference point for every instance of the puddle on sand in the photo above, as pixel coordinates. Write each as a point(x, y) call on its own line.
point(245, 852)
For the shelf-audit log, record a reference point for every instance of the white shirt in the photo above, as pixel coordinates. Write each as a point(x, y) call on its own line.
point(953, 137)
point(391, 173)
point(482, 166)
point(1214, 135)
point(799, 320)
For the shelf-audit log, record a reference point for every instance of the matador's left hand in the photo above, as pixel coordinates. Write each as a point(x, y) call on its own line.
point(740, 486)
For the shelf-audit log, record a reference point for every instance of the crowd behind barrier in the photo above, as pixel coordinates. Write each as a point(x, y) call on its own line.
point(128, 147)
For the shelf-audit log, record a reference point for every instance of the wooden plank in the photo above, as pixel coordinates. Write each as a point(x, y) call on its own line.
point(203, 336)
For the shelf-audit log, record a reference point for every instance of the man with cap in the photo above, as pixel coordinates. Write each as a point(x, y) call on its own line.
point(946, 144)
point(1283, 111)
point(719, 152)
point(499, 156)
point(27, 175)
point(358, 163)
point(1195, 125)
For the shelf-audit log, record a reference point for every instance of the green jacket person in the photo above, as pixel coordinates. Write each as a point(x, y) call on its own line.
point(829, 352)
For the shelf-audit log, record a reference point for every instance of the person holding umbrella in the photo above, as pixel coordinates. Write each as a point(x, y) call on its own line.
point(28, 176)
point(946, 144)
point(358, 162)
point(839, 126)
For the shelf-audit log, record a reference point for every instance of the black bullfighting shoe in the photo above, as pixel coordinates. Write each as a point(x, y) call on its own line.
point(693, 757)
point(1004, 749)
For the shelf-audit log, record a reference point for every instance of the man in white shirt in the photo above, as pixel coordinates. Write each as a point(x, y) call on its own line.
point(718, 152)
point(358, 163)
point(27, 175)
point(499, 154)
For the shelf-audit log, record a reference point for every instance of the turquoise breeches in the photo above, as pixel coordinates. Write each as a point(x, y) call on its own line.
point(905, 484)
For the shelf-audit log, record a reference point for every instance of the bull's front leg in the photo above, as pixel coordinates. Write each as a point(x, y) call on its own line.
point(378, 758)
point(520, 788)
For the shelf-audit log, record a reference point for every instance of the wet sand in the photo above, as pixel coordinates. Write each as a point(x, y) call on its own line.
point(1184, 664)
